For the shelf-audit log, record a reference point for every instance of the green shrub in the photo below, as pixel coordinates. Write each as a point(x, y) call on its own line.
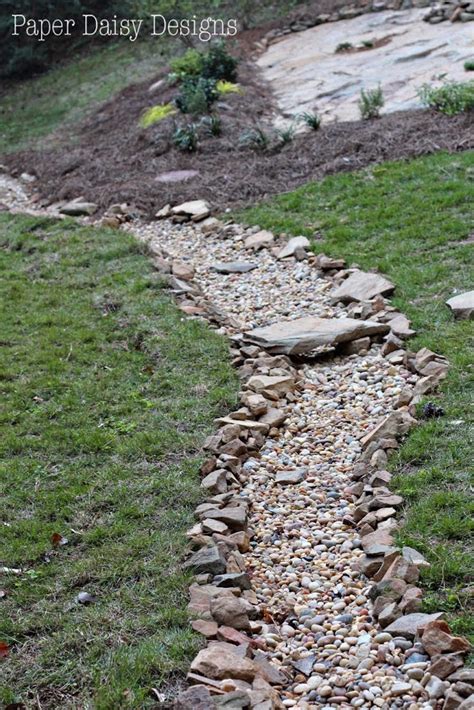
point(451, 98)
point(185, 138)
point(189, 64)
point(228, 87)
point(255, 138)
point(343, 47)
point(196, 96)
point(368, 44)
point(219, 64)
point(311, 119)
point(370, 103)
point(469, 65)
point(212, 125)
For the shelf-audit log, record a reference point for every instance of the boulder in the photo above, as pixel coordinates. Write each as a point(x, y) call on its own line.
point(443, 665)
point(437, 638)
point(197, 697)
point(231, 611)
point(260, 240)
point(266, 383)
point(207, 559)
point(462, 306)
point(306, 334)
point(292, 246)
point(217, 661)
point(362, 286)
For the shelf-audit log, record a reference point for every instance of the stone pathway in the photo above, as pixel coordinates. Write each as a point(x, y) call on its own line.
point(307, 74)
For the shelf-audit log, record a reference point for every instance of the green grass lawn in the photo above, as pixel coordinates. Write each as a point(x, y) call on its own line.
point(107, 394)
point(34, 108)
point(412, 220)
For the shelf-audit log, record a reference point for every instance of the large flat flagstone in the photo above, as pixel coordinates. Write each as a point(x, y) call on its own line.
point(306, 334)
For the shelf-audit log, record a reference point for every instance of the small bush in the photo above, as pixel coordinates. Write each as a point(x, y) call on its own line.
point(219, 64)
point(451, 98)
point(255, 138)
point(189, 64)
point(196, 96)
point(212, 125)
point(370, 103)
point(185, 138)
point(469, 65)
point(310, 119)
point(156, 113)
point(344, 47)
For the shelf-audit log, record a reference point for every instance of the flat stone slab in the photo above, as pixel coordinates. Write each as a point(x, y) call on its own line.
point(194, 210)
point(177, 175)
point(307, 74)
point(234, 267)
point(408, 626)
point(362, 286)
point(306, 334)
point(462, 305)
point(288, 478)
point(292, 246)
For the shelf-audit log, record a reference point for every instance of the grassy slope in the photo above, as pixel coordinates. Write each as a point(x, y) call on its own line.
point(412, 220)
point(37, 107)
point(107, 393)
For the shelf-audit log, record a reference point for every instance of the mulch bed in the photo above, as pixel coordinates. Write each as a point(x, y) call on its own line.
point(110, 159)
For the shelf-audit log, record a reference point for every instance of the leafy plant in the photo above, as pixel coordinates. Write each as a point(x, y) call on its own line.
point(196, 95)
point(156, 113)
point(219, 64)
point(310, 119)
point(189, 64)
point(255, 138)
point(451, 98)
point(285, 135)
point(344, 47)
point(469, 65)
point(368, 44)
point(212, 124)
point(185, 138)
point(228, 87)
point(370, 103)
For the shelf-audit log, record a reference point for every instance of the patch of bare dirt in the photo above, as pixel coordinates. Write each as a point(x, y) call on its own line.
point(111, 159)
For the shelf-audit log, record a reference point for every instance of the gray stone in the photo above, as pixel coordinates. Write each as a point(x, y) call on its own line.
point(259, 240)
point(462, 305)
point(78, 207)
point(362, 286)
point(292, 246)
point(207, 559)
point(195, 210)
point(408, 626)
point(234, 267)
point(306, 334)
point(286, 478)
